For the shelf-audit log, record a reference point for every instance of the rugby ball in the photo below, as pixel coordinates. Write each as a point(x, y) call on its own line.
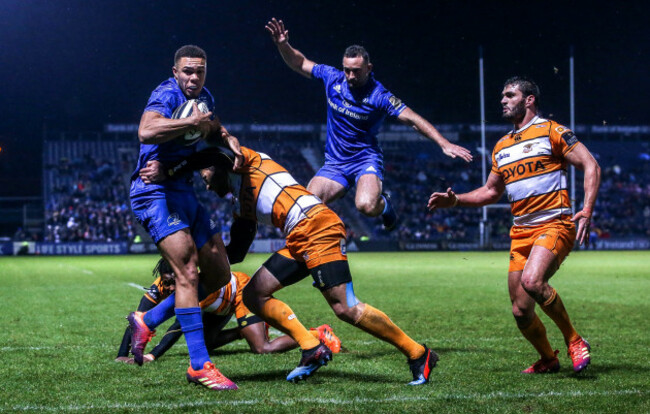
point(185, 110)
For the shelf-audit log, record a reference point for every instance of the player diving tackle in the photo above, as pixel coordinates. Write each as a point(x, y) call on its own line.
point(264, 191)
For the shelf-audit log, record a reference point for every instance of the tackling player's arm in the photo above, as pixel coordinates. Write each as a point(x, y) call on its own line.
point(292, 57)
point(581, 158)
point(155, 128)
point(156, 172)
point(490, 193)
point(414, 120)
point(242, 234)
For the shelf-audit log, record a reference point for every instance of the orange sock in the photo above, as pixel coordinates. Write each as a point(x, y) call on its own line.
point(536, 335)
point(555, 310)
point(281, 317)
point(378, 324)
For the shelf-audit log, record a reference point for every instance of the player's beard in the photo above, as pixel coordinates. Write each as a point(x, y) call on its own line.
point(517, 113)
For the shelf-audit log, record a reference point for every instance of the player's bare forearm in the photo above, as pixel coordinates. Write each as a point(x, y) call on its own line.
point(582, 159)
point(295, 59)
point(424, 127)
point(480, 197)
point(292, 57)
point(490, 193)
point(156, 129)
point(591, 185)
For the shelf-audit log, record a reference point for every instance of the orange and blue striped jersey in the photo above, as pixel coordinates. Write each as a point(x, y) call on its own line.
point(532, 165)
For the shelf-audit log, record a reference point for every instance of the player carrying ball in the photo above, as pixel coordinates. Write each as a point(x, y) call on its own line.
point(264, 191)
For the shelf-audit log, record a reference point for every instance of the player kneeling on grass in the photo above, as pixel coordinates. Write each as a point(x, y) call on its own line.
point(315, 243)
point(217, 308)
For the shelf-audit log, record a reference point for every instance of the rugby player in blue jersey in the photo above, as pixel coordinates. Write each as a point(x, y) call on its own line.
point(357, 105)
point(173, 216)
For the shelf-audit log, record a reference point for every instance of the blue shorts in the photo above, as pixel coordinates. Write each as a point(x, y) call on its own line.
point(163, 214)
point(347, 174)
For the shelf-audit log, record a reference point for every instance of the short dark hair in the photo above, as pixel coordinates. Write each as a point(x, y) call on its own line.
point(357, 51)
point(191, 51)
point(526, 85)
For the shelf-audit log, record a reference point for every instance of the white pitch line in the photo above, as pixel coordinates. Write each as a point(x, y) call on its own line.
point(327, 401)
point(86, 271)
point(135, 285)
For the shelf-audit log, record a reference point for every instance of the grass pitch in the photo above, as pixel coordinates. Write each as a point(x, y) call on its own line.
point(63, 319)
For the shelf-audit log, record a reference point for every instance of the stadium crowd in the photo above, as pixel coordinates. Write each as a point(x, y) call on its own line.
point(88, 201)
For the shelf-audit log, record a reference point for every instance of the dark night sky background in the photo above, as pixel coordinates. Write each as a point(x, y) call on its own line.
point(76, 65)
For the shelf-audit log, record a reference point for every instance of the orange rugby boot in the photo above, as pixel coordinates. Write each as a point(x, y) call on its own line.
point(210, 377)
point(326, 336)
point(140, 335)
point(579, 354)
point(544, 366)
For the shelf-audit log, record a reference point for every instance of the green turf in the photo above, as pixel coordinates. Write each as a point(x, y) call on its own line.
point(63, 318)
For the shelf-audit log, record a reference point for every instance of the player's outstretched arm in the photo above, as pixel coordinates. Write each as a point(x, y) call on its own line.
point(156, 129)
point(581, 158)
point(292, 57)
point(490, 193)
point(411, 118)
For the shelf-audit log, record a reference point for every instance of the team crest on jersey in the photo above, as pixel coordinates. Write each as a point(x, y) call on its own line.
point(173, 219)
point(337, 87)
point(529, 147)
point(517, 137)
point(395, 101)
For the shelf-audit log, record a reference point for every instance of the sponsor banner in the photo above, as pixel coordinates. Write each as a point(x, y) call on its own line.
point(419, 245)
point(139, 248)
point(6, 248)
point(620, 244)
point(94, 248)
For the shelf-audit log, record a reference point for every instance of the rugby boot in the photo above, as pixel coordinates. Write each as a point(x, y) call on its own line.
point(326, 336)
point(579, 354)
point(210, 377)
point(389, 217)
point(421, 367)
point(311, 360)
point(140, 336)
point(544, 366)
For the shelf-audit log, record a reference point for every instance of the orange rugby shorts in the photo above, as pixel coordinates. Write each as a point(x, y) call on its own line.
point(317, 240)
point(558, 237)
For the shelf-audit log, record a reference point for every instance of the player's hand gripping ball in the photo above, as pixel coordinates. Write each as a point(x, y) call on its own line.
point(185, 110)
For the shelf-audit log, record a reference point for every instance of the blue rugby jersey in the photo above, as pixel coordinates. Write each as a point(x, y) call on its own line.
point(354, 116)
point(164, 100)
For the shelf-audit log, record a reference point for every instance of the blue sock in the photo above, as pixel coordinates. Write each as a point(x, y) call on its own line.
point(161, 312)
point(386, 205)
point(192, 325)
